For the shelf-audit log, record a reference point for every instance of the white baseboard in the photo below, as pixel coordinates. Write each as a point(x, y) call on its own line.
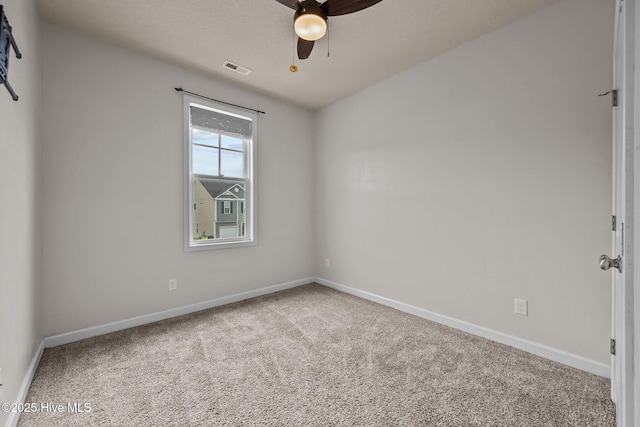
point(93, 331)
point(560, 356)
point(12, 421)
point(556, 355)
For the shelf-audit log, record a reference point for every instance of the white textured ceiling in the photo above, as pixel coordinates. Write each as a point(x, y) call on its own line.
point(365, 47)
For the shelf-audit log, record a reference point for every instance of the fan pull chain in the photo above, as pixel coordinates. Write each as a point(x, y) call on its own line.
point(293, 67)
point(328, 39)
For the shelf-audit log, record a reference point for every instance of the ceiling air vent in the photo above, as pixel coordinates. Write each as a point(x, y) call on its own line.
point(237, 68)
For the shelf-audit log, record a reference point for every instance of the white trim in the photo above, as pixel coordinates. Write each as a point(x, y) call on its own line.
point(625, 378)
point(634, 376)
point(14, 417)
point(560, 356)
point(249, 180)
point(93, 331)
point(556, 355)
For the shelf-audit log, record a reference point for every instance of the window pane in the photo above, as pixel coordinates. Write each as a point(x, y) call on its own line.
point(215, 209)
point(232, 143)
point(232, 164)
point(204, 137)
point(219, 143)
point(205, 160)
point(202, 211)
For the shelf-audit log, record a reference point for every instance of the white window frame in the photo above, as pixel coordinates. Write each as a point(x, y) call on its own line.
point(250, 237)
point(226, 207)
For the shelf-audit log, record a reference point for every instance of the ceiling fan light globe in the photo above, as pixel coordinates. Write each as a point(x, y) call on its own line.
point(310, 26)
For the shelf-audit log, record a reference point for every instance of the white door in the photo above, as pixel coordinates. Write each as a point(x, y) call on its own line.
point(620, 265)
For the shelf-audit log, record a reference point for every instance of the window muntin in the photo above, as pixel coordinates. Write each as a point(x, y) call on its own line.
point(220, 170)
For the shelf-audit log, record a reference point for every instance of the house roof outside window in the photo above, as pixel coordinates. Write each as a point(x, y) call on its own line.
point(223, 189)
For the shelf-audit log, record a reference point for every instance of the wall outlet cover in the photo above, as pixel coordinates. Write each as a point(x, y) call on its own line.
point(521, 307)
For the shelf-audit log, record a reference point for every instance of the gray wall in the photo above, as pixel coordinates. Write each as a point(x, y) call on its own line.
point(500, 152)
point(113, 144)
point(20, 242)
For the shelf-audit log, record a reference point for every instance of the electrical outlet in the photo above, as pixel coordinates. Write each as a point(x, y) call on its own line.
point(327, 263)
point(173, 284)
point(521, 306)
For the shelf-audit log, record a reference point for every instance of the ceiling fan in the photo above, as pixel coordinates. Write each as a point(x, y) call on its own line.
point(310, 19)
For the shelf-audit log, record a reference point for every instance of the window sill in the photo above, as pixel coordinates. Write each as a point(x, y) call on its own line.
point(213, 244)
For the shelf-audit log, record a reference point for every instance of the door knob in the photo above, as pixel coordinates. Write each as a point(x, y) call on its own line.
point(606, 262)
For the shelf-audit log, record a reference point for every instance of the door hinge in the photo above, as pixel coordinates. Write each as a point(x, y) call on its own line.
point(613, 223)
point(613, 347)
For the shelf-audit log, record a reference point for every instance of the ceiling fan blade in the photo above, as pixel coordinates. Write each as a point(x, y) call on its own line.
point(342, 7)
point(304, 48)
point(293, 4)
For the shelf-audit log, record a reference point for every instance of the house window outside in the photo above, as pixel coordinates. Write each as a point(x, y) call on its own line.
point(219, 178)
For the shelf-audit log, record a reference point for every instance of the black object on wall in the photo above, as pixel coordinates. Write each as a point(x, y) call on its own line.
point(6, 41)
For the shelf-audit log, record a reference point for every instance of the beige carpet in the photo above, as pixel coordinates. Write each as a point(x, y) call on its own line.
point(309, 356)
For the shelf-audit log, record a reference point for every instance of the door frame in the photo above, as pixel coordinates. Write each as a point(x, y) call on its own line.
point(634, 93)
point(625, 376)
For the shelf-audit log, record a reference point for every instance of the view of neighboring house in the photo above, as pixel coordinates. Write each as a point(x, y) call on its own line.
point(219, 209)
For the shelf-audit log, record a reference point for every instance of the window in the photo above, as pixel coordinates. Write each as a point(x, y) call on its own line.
point(219, 175)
